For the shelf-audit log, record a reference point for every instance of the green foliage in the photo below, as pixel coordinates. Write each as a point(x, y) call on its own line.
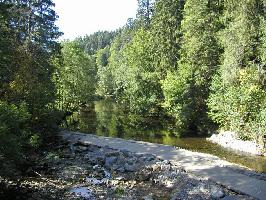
point(32, 80)
point(142, 88)
point(105, 85)
point(201, 61)
point(97, 41)
point(186, 98)
point(145, 11)
point(166, 34)
point(116, 68)
point(14, 130)
point(237, 109)
point(238, 98)
point(75, 76)
point(27, 92)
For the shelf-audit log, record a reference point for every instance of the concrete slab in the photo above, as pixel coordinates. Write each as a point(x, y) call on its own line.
point(204, 165)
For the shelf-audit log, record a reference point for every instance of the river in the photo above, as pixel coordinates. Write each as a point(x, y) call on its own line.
point(106, 118)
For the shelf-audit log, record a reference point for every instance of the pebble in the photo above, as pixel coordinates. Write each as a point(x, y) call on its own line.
point(83, 192)
point(109, 161)
point(130, 168)
point(217, 192)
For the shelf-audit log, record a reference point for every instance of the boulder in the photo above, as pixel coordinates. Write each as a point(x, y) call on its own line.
point(217, 192)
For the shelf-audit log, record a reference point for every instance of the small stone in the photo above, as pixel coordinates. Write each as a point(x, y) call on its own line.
point(130, 168)
point(217, 192)
point(121, 169)
point(81, 148)
point(126, 152)
point(149, 197)
point(148, 157)
point(112, 154)
point(120, 178)
point(131, 161)
point(166, 167)
point(83, 192)
point(115, 167)
point(95, 158)
point(168, 184)
point(109, 161)
point(93, 148)
point(155, 167)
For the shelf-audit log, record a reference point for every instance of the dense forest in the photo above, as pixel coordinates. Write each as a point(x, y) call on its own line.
point(200, 62)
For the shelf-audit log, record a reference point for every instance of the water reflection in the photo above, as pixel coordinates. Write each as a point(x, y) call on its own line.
point(105, 118)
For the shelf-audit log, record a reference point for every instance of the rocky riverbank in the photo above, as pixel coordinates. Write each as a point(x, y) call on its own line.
point(84, 171)
point(229, 139)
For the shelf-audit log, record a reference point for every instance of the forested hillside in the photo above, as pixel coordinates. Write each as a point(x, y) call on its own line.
point(200, 62)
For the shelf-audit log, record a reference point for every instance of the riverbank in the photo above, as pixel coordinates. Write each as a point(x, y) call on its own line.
point(229, 140)
point(78, 170)
point(209, 167)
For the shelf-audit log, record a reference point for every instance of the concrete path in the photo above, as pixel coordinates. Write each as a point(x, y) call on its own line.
point(204, 165)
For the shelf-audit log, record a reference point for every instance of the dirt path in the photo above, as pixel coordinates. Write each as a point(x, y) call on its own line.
point(204, 165)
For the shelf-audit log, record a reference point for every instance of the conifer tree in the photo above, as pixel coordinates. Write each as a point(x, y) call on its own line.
point(165, 31)
point(186, 96)
point(238, 99)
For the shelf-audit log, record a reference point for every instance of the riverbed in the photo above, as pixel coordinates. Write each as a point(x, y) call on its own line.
point(106, 118)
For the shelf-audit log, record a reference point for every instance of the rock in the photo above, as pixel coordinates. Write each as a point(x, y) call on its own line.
point(82, 192)
point(81, 148)
point(109, 161)
point(107, 174)
point(155, 167)
point(93, 148)
point(148, 197)
point(143, 175)
point(95, 157)
point(120, 178)
point(96, 167)
point(168, 183)
point(217, 193)
point(166, 167)
point(237, 197)
point(148, 157)
point(95, 181)
point(130, 167)
point(126, 153)
point(121, 169)
point(115, 167)
point(112, 154)
point(131, 161)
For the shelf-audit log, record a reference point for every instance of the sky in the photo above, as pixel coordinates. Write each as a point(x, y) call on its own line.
point(81, 17)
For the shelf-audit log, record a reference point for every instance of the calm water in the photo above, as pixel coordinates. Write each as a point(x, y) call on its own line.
point(105, 118)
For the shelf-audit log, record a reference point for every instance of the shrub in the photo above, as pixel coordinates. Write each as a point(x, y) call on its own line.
point(240, 106)
point(14, 132)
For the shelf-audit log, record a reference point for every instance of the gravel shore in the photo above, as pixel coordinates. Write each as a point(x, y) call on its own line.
point(83, 171)
point(229, 139)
